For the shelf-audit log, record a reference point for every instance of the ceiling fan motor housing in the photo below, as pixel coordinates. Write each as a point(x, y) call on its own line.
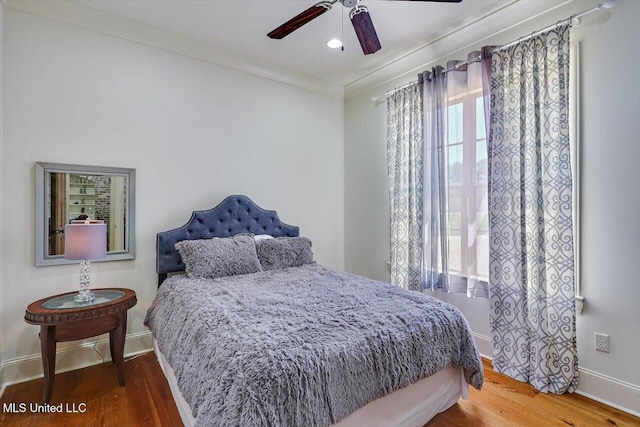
point(349, 3)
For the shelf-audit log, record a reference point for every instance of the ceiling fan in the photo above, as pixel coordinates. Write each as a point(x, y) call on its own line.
point(359, 16)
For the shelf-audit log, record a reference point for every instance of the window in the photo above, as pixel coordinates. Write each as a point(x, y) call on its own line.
point(467, 189)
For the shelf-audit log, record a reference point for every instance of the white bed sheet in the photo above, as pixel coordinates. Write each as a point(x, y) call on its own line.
point(411, 406)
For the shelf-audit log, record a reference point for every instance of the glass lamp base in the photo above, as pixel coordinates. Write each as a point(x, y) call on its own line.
point(84, 297)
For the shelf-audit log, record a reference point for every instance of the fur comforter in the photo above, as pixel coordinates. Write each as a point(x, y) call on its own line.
point(302, 346)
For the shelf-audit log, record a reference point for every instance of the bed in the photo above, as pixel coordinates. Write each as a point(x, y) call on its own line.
point(297, 344)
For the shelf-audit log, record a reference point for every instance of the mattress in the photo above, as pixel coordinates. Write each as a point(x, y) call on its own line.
point(411, 406)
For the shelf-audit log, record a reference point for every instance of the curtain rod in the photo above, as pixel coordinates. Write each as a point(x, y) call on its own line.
point(444, 71)
point(606, 4)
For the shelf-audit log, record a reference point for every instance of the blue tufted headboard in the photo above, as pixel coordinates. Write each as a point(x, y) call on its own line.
point(236, 214)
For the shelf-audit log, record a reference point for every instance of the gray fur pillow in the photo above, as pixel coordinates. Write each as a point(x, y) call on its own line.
point(284, 252)
point(219, 257)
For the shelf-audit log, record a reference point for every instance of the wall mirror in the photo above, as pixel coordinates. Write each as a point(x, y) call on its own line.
point(70, 192)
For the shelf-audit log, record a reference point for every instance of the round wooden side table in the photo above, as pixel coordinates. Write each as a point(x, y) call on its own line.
point(62, 319)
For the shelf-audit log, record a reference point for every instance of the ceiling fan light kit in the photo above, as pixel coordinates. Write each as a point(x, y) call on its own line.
point(334, 43)
point(359, 16)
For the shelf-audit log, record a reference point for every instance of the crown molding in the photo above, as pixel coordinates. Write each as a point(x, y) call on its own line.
point(84, 17)
point(517, 15)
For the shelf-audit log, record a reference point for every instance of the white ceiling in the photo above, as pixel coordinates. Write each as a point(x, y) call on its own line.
point(405, 29)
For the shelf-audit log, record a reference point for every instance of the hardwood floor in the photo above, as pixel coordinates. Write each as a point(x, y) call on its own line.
point(147, 401)
point(506, 402)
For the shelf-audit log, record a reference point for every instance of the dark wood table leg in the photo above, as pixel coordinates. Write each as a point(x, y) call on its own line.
point(111, 349)
point(116, 343)
point(124, 332)
point(48, 348)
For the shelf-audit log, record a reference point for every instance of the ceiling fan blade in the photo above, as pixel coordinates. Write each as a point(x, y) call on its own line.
point(299, 20)
point(365, 30)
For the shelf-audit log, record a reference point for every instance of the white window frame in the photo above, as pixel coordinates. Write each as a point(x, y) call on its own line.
point(469, 178)
point(574, 138)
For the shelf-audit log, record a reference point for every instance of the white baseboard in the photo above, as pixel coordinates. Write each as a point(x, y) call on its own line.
point(610, 391)
point(483, 343)
point(68, 359)
point(601, 388)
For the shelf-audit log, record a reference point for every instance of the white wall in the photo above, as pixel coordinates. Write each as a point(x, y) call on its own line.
point(610, 204)
point(1, 180)
point(194, 131)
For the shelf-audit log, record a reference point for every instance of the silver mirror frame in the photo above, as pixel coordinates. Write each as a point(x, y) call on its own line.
point(41, 239)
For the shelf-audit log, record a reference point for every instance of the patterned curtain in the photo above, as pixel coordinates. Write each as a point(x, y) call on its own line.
point(531, 275)
point(404, 166)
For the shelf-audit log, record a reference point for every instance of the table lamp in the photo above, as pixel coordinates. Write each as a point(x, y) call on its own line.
point(85, 240)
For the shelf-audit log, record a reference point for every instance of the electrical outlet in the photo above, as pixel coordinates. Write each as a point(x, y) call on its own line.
point(602, 342)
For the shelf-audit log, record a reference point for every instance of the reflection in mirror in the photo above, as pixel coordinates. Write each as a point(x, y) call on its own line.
point(69, 192)
point(79, 197)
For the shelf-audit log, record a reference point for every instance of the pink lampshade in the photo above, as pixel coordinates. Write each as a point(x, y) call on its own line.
point(85, 240)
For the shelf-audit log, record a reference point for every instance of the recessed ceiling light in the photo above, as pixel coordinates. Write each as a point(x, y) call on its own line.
point(334, 43)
